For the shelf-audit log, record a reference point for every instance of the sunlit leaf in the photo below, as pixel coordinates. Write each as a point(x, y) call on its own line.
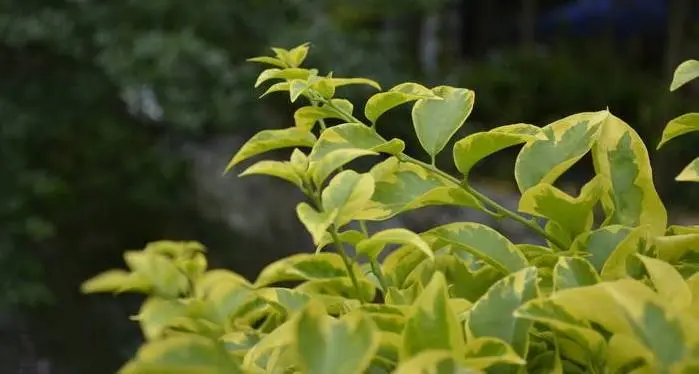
point(431, 323)
point(436, 121)
point(403, 93)
point(303, 266)
point(681, 125)
point(684, 73)
point(347, 193)
point(327, 345)
point(279, 169)
point(567, 141)
point(115, 281)
point(306, 117)
point(668, 282)
point(372, 246)
point(690, 173)
point(476, 147)
point(287, 74)
point(159, 271)
point(269, 60)
point(317, 223)
point(484, 352)
point(338, 82)
point(480, 240)
point(157, 314)
point(267, 140)
point(631, 199)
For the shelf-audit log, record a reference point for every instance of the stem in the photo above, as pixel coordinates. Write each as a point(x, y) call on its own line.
point(375, 266)
point(348, 263)
point(499, 209)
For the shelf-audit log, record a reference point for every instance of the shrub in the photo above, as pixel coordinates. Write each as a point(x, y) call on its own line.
point(616, 295)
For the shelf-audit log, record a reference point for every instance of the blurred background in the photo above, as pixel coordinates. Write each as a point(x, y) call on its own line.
point(117, 119)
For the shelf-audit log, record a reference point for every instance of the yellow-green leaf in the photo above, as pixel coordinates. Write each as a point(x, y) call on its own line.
point(182, 354)
point(399, 263)
point(307, 116)
point(157, 314)
point(372, 246)
point(431, 323)
point(338, 82)
point(571, 272)
point(267, 140)
point(433, 361)
point(625, 353)
point(436, 121)
point(690, 173)
point(631, 199)
point(327, 345)
point(618, 263)
point(566, 141)
point(287, 74)
point(681, 125)
point(297, 87)
point(668, 282)
point(282, 336)
point(480, 240)
point(351, 237)
point(484, 352)
point(277, 87)
point(159, 271)
point(339, 287)
point(333, 161)
point(303, 266)
point(476, 147)
point(600, 243)
point(297, 55)
point(353, 135)
point(684, 73)
point(573, 215)
point(673, 247)
point(279, 169)
point(493, 314)
point(115, 281)
point(402, 186)
point(347, 193)
point(403, 93)
point(316, 223)
point(269, 60)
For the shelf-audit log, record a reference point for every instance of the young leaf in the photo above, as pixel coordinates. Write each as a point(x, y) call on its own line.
point(684, 73)
point(571, 272)
point(306, 117)
point(333, 161)
point(287, 74)
point(297, 87)
point(116, 281)
point(338, 82)
point(351, 237)
point(158, 314)
point(668, 282)
point(573, 215)
point(399, 263)
point(277, 87)
point(316, 223)
point(431, 323)
point(326, 345)
point(493, 314)
point(476, 147)
point(631, 199)
point(278, 169)
point(483, 242)
point(347, 193)
point(297, 55)
point(303, 266)
point(160, 272)
point(371, 247)
point(690, 173)
point(403, 93)
point(567, 141)
point(267, 140)
point(402, 186)
point(681, 125)
point(436, 121)
point(269, 60)
point(186, 353)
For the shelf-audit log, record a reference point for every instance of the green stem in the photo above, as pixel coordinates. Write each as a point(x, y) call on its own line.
point(348, 263)
point(499, 209)
point(375, 266)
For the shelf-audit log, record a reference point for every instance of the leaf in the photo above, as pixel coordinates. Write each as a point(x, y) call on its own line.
point(476, 147)
point(690, 173)
point(287, 74)
point(158, 314)
point(681, 125)
point(431, 323)
point(228, 298)
point(297, 87)
point(567, 141)
point(158, 271)
point(574, 215)
point(268, 60)
point(267, 140)
point(347, 193)
point(303, 266)
point(600, 243)
point(673, 247)
point(571, 272)
point(317, 223)
point(625, 352)
point(493, 314)
point(436, 361)
point(484, 352)
point(326, 345)
point(622, 159)
point(372, 246)
point(483, 242)
point(351, 237)
point(182, 354)
point(618, 263)
point(278, 169)
point(403, 93)
point(668, 282)
point(436, 121)
point(338, 82)
point(281, 337)
point(116, 281)
point(685, 72)
point(402, 186)
point(335, 160)
point(277, 87)
point(306, 117)
point(400, 262)
point(297, 55)
point(342, 287)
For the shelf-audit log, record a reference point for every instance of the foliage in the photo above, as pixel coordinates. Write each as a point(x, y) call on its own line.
point(611, 295)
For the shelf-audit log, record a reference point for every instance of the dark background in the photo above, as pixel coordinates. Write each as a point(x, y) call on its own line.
point(108, 109)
